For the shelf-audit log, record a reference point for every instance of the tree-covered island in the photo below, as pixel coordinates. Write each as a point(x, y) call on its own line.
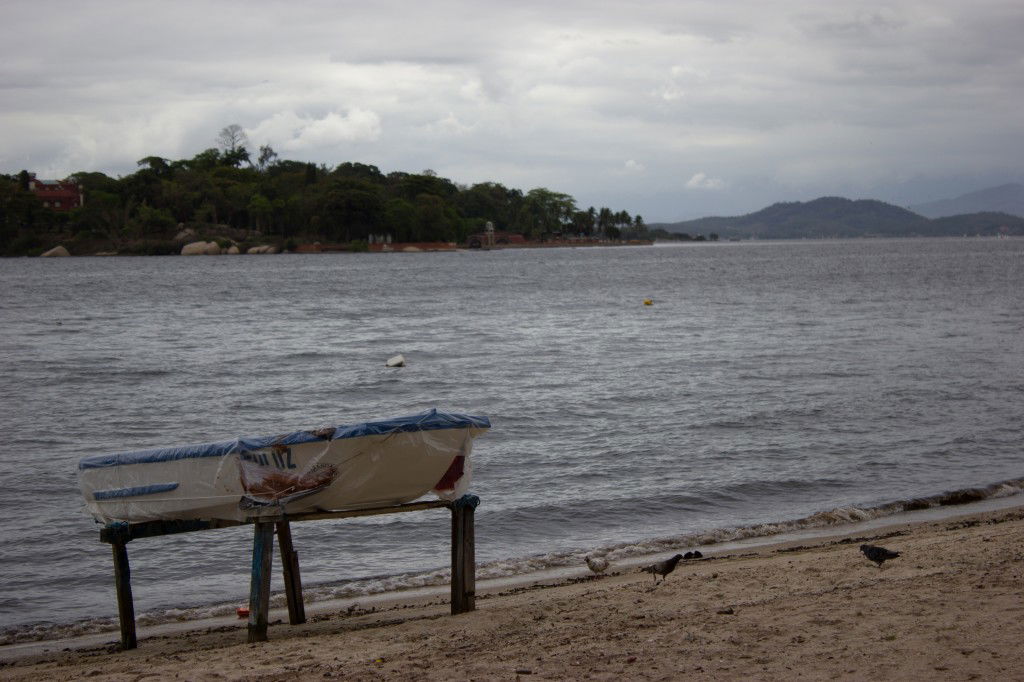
point(228, 195)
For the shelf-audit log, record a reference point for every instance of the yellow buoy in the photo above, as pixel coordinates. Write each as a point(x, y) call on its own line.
point(648, 301)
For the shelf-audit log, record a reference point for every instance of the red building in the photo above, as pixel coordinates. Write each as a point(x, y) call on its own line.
point(60, 195)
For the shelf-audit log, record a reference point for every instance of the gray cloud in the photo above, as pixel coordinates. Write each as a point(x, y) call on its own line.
point(621, 104)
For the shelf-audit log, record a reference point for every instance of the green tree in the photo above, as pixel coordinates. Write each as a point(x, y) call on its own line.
point(490, 201)
point(546, 212)
point(160, 166)
point(105, 215)
point(359, 171)
point(261, 212)
point(605, 223)
point(150, 221)
point(236, 157)
point(21, 215)
point(206, 160)
point(399, 220)
point(439, 221)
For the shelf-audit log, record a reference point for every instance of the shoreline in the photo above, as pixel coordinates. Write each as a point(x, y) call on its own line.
point(445, 247)
point(949, 554)
point(517, 572)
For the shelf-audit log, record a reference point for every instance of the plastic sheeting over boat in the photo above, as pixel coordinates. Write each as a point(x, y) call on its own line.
point(375, 463)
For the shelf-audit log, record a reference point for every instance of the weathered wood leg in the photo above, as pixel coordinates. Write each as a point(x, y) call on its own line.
point(259, 588)
point(290, 570)
point(123, 584)
point(463, 555)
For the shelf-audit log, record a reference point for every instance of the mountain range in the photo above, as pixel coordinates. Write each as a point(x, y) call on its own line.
point(837, 217)
point(1003, 199)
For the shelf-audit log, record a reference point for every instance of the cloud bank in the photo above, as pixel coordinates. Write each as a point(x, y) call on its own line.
point(750, 102)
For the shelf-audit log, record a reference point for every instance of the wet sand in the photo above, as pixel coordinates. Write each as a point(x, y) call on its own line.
point(951, 607)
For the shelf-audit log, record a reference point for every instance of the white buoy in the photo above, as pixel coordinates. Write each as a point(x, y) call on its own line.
point(397, 361)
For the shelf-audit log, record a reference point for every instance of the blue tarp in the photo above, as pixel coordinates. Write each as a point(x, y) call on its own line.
point(425, 421)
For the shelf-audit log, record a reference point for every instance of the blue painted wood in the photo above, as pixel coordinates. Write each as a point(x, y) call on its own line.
point(120, 531)
point(136, 491)
point(259, 588)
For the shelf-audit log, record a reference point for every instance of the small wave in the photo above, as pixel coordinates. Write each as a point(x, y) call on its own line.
point(767, 418)
point(302, 355)
point(521, 566)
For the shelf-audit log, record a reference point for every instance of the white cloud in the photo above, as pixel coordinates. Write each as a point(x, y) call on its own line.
point(288, 131)
point(632, 166)
point(702, 181)
point(450, 125)
point(681, 82)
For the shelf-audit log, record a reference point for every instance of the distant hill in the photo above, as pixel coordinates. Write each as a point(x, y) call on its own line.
point(836, 217)
point(1003, 199)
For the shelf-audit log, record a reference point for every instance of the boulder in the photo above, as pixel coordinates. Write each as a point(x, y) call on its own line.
point(200, 249)
point(397, 361)
point(55, 252)
point(185, 235)
point(233, 250)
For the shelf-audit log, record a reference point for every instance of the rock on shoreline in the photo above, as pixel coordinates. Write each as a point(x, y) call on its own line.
point(55, 252)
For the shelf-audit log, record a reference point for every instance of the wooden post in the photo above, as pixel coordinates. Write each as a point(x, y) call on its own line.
point(290, 570)
point(259, 588)
point(123, 584)
point(463, 554)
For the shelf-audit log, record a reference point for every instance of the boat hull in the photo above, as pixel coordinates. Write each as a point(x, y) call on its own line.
point(348, 467)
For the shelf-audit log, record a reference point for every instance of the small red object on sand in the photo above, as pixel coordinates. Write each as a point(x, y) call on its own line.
point(242, 612)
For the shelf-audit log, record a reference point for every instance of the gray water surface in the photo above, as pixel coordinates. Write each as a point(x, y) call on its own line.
point(769, 381)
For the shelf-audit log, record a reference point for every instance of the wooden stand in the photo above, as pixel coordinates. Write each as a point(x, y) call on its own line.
point(119, 534)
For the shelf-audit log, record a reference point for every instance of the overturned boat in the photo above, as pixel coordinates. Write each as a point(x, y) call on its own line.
point(376, 463)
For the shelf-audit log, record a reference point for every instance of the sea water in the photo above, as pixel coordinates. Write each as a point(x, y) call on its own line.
point(770, 386)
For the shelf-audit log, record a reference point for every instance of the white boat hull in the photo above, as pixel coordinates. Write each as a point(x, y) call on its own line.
point(350, 467)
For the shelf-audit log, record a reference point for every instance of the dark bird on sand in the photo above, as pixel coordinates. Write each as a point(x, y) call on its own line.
point(878, 554)
point(662, 568)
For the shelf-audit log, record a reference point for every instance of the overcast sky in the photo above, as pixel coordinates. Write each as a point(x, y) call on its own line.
point(671, 109)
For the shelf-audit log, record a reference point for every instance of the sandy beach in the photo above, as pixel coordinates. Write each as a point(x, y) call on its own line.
point(951, 607)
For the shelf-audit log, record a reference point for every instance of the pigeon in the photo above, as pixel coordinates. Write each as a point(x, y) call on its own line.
point(597, 564)
point(878, 554)
point(662, 568)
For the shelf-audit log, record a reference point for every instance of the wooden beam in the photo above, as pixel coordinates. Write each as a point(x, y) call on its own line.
point(125, 604)
point(126, 532)
point(353, 513)
point(259, 588)
point(290, 571)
